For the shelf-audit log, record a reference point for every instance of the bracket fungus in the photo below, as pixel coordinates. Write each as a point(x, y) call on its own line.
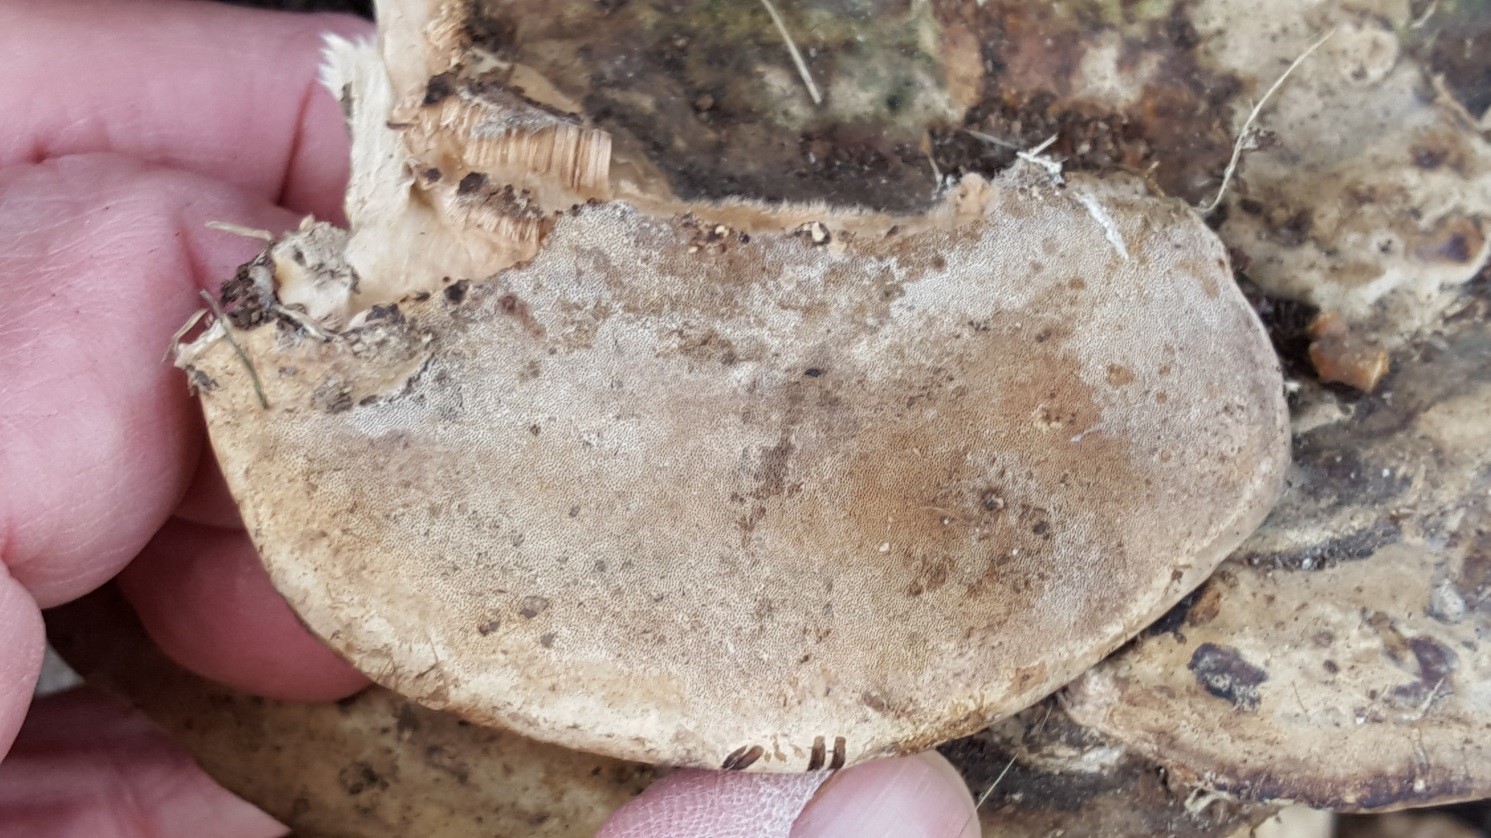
point(1339, 657)
point(374, 765)
point(377, 765)
point(726, 484)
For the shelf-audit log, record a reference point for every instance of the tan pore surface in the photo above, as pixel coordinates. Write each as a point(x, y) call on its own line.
point(781, 503)
point(1340, 657)
point(371, 766)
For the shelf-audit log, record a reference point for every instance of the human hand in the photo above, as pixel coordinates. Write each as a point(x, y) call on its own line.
point(129, 125)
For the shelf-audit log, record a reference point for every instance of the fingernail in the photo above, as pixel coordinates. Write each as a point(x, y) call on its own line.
point(908, 797)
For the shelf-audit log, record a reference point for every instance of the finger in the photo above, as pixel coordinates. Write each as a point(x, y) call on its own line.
point(208, 501)
point(911, 797)
point(204, 598)
point(21, 647)
point(222, 91)
point(84, 767)
point(101, 259)
point(715, 804)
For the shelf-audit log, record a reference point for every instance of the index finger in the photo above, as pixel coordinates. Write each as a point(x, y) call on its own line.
point(217, 90)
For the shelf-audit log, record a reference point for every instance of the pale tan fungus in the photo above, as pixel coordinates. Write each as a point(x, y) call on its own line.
point(1339, 658)
point(766, 488)
point(374, 765)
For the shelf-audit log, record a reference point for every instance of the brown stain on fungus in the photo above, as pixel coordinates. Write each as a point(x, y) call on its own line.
point(513, 306)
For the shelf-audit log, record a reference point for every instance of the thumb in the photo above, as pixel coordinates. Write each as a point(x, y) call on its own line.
point(908, 797)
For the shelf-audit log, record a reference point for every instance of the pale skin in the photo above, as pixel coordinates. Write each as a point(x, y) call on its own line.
point(128, 126)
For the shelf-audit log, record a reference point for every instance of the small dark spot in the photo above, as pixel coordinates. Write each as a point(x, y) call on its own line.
point(431, 174)
point(358, 778)
point(535, 430)
point(1222, 672)
point(441, 760)
point(201, 381)
point(1330, 666)
point(874, 702)
point(1119, 375)
point(471, 183)
point(893, 103)
point(1042, 529)
point(456, 292)
point(574, 511)
point(406, 720)
point(1456, 248)
point(1428, 158)
point(438, 88)
point(546, 640)
point(812, 372)
point(1295, 231)
point(742, 758)
point(532, 606)
point(991, 501)
point(489, 626)
point(388, 313)
point(513, 306)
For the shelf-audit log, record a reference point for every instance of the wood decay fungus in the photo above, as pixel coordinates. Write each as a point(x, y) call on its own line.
point(536, 421)
point(374, 765)
point(1338, 658)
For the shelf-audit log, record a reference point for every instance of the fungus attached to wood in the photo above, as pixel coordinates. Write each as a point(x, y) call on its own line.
point(374, 765)
point(1339, 658)
point(730, 485)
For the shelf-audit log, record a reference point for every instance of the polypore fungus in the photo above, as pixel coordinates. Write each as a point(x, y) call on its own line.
point(728, 485)
point(1339, 657)
point(371, 766)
